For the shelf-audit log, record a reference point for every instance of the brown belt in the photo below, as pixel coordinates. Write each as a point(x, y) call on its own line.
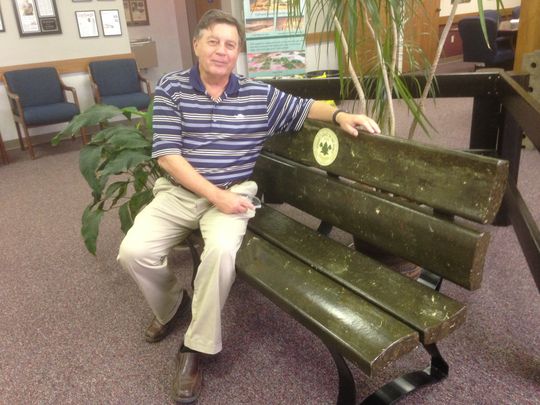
point(226, 187)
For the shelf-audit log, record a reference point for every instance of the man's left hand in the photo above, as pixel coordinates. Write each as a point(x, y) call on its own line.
point(349, 123)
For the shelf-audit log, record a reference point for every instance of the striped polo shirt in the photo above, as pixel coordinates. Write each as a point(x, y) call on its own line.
point(221, 138)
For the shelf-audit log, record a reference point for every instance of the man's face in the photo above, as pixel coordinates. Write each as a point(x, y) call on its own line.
point(217, 50)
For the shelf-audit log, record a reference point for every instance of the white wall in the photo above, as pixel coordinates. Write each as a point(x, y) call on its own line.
point(16, 50)
point(168, 28)
point(168, 23)
point(472, 6)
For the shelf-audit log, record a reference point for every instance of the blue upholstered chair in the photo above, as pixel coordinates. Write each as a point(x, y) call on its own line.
point(38, 97)
point(118, 82)
point(516, 11)
point(493, 14)
point(500, 52)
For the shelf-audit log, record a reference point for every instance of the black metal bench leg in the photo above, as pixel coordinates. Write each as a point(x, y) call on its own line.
point(397, 389)
point(430, 280)
point(347, 388)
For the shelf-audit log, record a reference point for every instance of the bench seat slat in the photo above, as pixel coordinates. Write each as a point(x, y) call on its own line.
point(439, 315)
point(396, 228)
point(363, 333)
point(453, 182)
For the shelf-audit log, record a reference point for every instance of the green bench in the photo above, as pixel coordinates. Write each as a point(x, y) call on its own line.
point(414, 201)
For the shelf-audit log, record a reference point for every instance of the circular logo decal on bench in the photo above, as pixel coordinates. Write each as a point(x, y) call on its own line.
point(325, 147)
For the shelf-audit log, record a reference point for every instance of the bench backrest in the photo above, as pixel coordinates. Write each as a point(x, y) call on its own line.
point(401, 196)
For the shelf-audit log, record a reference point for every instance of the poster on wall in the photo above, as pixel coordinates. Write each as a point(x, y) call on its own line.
point(37, 17)
point(275, 43)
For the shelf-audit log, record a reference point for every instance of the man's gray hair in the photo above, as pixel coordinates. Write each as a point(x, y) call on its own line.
point(215, 16)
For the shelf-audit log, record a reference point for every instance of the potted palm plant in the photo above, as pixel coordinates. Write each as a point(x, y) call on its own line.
point(383, 24)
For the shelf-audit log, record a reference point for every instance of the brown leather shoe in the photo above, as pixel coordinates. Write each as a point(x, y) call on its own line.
point(156, 331)
point(188, 377)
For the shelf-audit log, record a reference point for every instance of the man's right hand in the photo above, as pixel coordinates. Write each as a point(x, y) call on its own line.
point(229, 202)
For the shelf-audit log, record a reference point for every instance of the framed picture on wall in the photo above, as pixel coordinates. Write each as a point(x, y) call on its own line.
point(110, 22)
point(129, 21)
point(2, 29)
point(87, 23)
point(37, 17)
point(136, 12)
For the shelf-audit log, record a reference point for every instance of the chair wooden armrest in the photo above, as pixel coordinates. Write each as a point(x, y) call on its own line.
point(146, 82)
point(15, 102)
point(72, 91)
point(95, 92)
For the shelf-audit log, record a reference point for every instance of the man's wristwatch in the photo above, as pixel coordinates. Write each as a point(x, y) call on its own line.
point(334, 116)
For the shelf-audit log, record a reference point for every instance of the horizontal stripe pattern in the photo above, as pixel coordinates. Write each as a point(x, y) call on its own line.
point(222, 138)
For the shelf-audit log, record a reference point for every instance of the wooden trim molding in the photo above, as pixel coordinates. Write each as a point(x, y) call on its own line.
point(65, 66)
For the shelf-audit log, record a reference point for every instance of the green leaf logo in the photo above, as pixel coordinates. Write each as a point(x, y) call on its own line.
point(325, 147)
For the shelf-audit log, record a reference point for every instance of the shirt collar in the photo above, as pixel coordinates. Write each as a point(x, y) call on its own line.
point(195, 80)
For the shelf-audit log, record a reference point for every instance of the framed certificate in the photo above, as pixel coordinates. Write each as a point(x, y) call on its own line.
point(87, 23)
point(36, 17)
point(110, 22)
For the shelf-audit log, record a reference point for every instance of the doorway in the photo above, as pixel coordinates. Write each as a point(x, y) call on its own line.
point(194, 11)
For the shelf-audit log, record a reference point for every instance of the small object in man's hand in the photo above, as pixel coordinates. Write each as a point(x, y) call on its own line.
point(253, 200)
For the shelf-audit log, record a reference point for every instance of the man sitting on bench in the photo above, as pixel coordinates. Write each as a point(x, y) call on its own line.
point(209, 125)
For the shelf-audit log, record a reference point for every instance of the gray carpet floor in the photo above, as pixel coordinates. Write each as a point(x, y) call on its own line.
point(72, 323)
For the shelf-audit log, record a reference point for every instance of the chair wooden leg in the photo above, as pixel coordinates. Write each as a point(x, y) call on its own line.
point(21, 142)
point(28, 142)
point(3, 152)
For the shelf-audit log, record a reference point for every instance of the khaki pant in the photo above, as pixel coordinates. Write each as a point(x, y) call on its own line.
point(166, 222)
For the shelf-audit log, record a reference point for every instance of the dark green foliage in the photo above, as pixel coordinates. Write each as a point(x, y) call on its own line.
point(116, 164)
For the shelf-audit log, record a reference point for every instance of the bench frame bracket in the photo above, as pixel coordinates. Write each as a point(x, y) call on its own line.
point(347, 387)
point(400, 387)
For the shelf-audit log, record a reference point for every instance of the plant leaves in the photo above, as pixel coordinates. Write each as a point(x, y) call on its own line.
point(148, 117)
point(94, 115)
point(105, 135)
point(129, 111)
point(129, 139)
point(91, 219)
point(126, 221)
point(89, 160)
point(124, 161)
point(141, 178)
point(119, 188)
